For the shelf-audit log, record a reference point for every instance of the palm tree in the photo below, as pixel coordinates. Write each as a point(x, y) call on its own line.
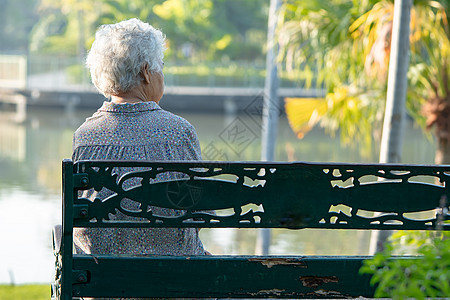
point(348, 43)
point(430, 75)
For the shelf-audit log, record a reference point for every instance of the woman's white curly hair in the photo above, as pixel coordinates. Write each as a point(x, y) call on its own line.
point(120, 51)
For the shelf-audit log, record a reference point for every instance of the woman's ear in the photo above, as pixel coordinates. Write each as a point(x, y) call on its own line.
point(146, 73)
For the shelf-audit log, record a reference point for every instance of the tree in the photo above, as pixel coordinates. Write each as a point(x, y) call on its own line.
point(244, 25)
point(191, 24)
point(345, 45)
point(205, 29)
point(64, 26)
point(215, 28)
point(315, 37)
point(118, 10)
point(430, 75)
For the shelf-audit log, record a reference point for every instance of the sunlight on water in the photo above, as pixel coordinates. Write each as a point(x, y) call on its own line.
point(25, 231)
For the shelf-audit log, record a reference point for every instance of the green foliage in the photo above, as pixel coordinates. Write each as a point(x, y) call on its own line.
point(322, 38)
point(196, 30)
point(425, 276)
point(118, 10)
point(64, 26)
point(345, 45)
point(316, 34)
point(25, 292)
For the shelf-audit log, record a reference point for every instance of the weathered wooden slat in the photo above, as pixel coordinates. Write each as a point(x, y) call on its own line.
point(222, 277)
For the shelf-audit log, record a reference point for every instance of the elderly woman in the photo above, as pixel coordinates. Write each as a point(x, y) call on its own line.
point(126, 61)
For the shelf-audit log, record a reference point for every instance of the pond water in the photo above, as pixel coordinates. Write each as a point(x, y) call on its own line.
point(30, 180)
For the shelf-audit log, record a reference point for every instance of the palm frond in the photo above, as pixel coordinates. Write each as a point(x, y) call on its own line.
point(304, 113)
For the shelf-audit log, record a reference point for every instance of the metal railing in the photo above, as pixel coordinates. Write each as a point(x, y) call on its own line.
point(13, 71)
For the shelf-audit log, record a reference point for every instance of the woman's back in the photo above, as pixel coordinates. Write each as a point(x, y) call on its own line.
point(141, 131)
point(135, 131)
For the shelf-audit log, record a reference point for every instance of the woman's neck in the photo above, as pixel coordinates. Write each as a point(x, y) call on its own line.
point(135, 95)
point(120, 99)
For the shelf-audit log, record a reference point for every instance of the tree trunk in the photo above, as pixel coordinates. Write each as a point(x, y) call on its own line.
point(442, 156)
point(394, 116)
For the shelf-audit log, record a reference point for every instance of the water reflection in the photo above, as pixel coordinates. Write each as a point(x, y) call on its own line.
point(12, 142)
point(30, 183)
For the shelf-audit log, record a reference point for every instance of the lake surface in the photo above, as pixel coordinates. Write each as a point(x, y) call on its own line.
point(30, 184)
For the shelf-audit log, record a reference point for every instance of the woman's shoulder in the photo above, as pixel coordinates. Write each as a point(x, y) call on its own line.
point(174, 120)
point(89, 124)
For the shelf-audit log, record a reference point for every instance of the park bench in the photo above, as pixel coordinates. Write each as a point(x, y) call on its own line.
point(293, 195)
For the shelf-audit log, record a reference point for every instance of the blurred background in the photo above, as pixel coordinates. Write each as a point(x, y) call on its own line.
point(332, 61)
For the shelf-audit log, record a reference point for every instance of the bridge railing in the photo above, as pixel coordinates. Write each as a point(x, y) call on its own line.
point(13, 71)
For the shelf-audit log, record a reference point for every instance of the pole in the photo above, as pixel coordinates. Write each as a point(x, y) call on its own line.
point(270, 109)
point(394, 116)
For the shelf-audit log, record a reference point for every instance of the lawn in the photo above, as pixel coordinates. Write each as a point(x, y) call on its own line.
point(25, 292)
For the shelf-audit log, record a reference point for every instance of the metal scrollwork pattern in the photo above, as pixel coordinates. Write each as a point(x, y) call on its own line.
point(247, 194)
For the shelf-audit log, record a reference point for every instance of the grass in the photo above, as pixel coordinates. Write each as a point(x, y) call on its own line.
point(25, 292)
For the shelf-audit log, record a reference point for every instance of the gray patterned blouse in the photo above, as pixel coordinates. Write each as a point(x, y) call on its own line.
point(141, 131)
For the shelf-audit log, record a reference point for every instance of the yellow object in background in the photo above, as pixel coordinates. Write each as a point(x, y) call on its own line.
point(304, 113)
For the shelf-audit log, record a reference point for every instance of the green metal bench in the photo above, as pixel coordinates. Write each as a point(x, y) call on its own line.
point(257, 195)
